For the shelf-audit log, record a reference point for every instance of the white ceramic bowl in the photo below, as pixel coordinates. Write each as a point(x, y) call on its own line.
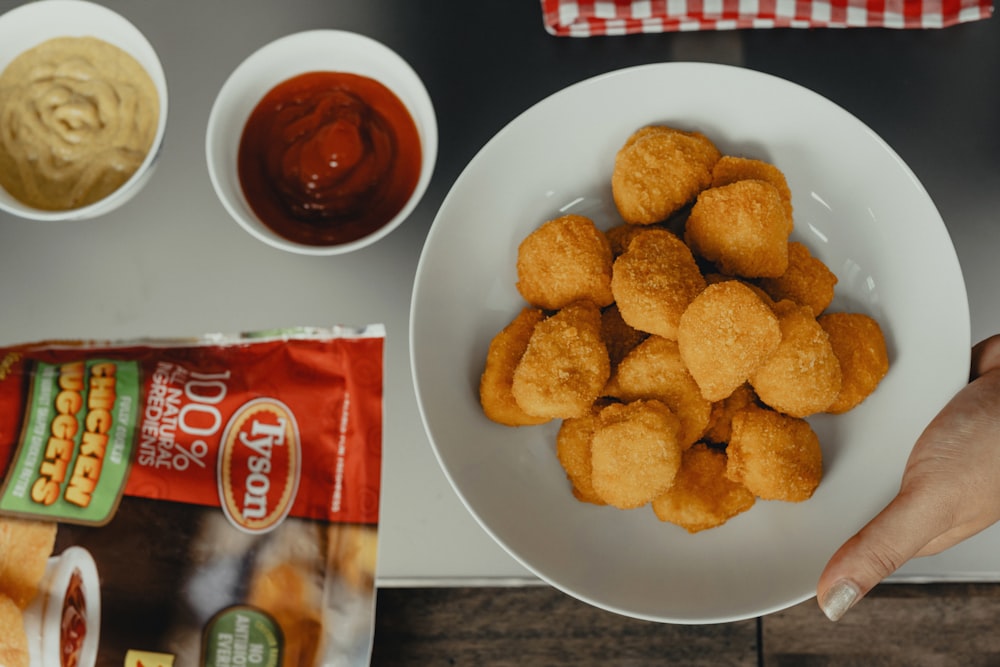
point(857, 206)
point(44, 617)
point(314, 50)
point(35, 22)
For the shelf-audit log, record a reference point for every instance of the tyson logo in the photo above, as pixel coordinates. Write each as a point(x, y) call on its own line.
point(259, 465)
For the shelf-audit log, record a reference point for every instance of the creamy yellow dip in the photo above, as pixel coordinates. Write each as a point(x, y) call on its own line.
point(77, 117)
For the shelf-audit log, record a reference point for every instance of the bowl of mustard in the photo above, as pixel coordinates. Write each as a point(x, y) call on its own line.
point(83, 110)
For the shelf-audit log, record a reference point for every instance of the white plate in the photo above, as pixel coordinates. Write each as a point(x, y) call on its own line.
point(857, 206)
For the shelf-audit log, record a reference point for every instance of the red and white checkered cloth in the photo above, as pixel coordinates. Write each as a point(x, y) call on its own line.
point(584, 18)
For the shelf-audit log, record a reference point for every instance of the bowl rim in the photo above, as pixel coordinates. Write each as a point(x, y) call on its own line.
point(150, 61)
point(45, 611)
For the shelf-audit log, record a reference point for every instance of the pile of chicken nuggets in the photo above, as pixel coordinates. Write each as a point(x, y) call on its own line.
point(683, 348)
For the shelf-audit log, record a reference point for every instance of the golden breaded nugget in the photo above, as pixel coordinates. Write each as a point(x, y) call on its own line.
point(353, 554)
point(25, 547)
point(701, 496)
point(621, 236)
point(292, 595)
point(742, 227)
point(654, 369)
point(565, 260)
point(505, 352)
point(725, 335)
point(802, 377)
point(654, 281)
point(859, 344)
point(618, 336)
point(712, 278)
point(731, 168)
point(573, 450)
point(13, 637)
point(565, 366)
point(720, 421)
point(644, 132)
point(635, 453)
point(658, 170)
point(776, 456)
point(807, 280)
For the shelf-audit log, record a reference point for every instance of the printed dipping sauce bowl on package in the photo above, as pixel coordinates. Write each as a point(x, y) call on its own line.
point(84, 101)
point(63, 621)
point(211, 501)
point(321, 142)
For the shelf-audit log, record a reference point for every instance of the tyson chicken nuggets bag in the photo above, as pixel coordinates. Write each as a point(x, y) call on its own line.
point(209, 502)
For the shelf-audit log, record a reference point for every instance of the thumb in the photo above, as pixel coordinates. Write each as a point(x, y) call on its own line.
point(985, 356)
point(894, 536)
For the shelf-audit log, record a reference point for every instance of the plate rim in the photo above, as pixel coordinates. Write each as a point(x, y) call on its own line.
point(948, 253)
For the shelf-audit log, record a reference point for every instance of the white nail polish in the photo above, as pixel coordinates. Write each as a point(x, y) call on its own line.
point(838, 599)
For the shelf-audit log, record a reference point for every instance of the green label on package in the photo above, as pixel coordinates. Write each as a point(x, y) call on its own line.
point(242, 635)
point(76, 442)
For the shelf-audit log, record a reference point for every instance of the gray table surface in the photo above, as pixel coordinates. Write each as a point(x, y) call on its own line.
point(174, 263)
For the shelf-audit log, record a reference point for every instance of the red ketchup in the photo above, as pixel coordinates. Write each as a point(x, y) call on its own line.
point(73, 628)
point(328, 157)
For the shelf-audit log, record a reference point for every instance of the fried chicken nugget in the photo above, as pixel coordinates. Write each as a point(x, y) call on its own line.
point(565, 260)
point(13, 637)
point(803, 376)
point(742, 227)
point(293, 598)
point(658, 170)
point(635, 453)
point(721, 418)
point(505, 352)
point(620, 236)
point(725, 335)
point(565, 365)
point(712, 278)
point(731, 168)
point(860, 346)
point(573, 448)
point(654, 369)
point(807, 280)
point(353, 554)
point(776, 456)
point(618, 336)
point(654, 281)
point(25, 547)
point(701, 496)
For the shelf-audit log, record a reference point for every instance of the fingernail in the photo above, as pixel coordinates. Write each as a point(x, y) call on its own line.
point(839, 598)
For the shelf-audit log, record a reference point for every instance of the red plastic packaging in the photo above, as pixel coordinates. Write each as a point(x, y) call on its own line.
point(214, 501)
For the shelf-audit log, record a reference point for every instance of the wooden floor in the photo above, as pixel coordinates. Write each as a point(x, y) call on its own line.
point(897, 624)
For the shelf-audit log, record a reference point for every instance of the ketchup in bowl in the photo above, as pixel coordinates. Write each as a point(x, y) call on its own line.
point(73, 627)
point(328, 157)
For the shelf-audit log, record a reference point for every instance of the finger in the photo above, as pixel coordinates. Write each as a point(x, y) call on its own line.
point(899, 532)
point(947, 540)
point(985, 356)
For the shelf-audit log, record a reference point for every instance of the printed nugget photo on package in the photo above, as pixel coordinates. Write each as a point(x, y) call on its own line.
point(210, 501)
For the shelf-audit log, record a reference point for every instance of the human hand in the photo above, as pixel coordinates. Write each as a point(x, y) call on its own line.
point(949, 492)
